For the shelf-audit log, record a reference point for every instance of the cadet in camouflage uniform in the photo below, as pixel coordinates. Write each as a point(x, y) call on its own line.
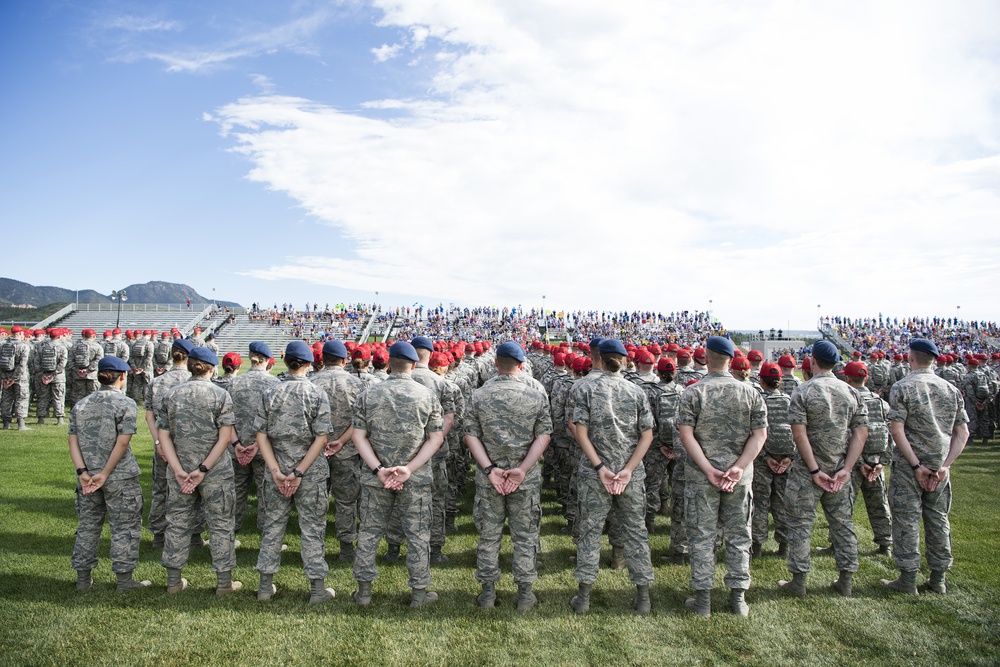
point(14, 377)
point(929, 427)
point(51, 360)
point(141, 361)
point(507, 430)
point(342, 389)
point(195, 427)
point(397, 428)
point(868, 475)
point(830, 425)
point(614, 428)
point(101, 427)
point(292, 425)
point(685, 370)
point(231, 363)
point(678, 550)
point(664, 397)
point(161, 355)
point(770, 471)
point(562, 443)
point(788, 380)
point(446, 393)
point(83, 358)
point(978, 389)
point(722, 424)
point(155, 391)
point(248, 464)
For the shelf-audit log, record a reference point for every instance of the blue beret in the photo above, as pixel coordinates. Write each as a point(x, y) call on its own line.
point(298, 349)
point(824, 350)
point(184, 345)
point(612, 346)
point(594, 342)
point(721, 345)
point(512, 350)
point(112, 363)
point(261, 348)
point(403, 350)
point(335, 348)
point(204, 354)
point(422, 341)
point(924, 345)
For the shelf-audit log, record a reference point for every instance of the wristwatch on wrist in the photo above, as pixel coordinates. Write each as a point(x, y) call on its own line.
point(80, 471)
point(598, 467)
point(202, 468)
point(376, 469)
point(297, 473)
point(489, 469)
point(918, 465)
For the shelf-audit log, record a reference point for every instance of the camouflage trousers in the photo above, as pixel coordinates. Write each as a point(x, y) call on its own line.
point(157, 519)
point(52, 395)
point(656, 465)
point(79, 389)
point(706, 508)
point(876, 502)
point(801, 498)
point(136, 389)
point(121, 502)
point(458, 475)
point(377, 505)
point(311, 503)
point(980, 422)
point(595, 504)
point(522, 510)
point(768, 498)
point(910, 503)
point(243, 477)
point(439, 496)
point(14, 401)
point(568, 454)
point(345, 487)
point(678, 531)
point(217, 497)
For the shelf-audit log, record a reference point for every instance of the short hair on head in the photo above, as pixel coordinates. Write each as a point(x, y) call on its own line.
point(716, 358)
point(507, 364)
point(922, 358)
point(823, 365)
point(399, 364)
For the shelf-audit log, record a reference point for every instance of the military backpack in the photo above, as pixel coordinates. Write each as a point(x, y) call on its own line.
point(47, 357)
point(8, 354)
point(779, 444)
point(877, 444)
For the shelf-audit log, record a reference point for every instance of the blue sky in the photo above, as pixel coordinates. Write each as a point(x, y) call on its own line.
point(767, 156)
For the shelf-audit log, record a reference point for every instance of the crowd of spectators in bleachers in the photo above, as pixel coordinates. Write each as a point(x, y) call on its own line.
point(889, 334)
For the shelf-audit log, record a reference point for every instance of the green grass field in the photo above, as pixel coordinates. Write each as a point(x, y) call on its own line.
point(44, 621)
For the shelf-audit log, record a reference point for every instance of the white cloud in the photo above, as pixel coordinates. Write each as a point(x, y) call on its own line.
point(768, 156)
point(385, 52)
point(130, 23)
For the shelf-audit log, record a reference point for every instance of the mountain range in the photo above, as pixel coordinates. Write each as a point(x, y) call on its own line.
point(15, 292)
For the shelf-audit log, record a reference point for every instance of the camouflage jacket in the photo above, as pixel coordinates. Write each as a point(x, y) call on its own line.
point(342, 389)
point(929, 408)
point(97, 421)
point(193, 412)
point(830, 408)
point(616, 413)
point(293, 414)
point(246, 390)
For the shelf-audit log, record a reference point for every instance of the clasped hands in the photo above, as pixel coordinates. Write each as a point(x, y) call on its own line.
point(615, 482)
point(506, 482)
point(90, 483)
point(394, 477)
point(929, 480)
point(244, 455)
point(725, 480)
point(832, 483)
point(189, 481)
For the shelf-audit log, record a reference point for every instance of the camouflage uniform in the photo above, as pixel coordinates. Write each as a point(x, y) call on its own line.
point(155, 391)
point(83, 357)
point(789, 383)
point(664, 397)
point(768, 486)
point(97, 421)
point(978, 389)
point(397, 415)
point(685, 374)
point(342, 389)
point(194, 412)
point(161, 357)
point(246, 390)
point(15, 382)
point(141, 361)
point(616, 413)
point(293, 414)
point(52, 378)
point(929, 411)
point(723, 412)
point(449, 396)
point(507, 416)
point(878, 450)
point(563, 448)
point(829, 408)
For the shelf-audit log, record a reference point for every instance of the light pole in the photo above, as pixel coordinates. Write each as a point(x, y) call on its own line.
point(377, 307)
point(214, 302)
point(818, 316)
point(119, 296)
point(709, 310)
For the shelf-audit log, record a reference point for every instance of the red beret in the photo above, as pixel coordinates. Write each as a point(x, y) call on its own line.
point(739, 364)
point(755, 355)
point(770, 370)
point(380, 356)
point(700, 354)
point(683, 354)
point(807, 364)
point(644, 358)
point(437, 360)
point(856, 369)
point(232, 360)
point(107, 333)
point(654, 348)
point(559, 359)
point(673, 347)
point(786, 361)
point(666, 364)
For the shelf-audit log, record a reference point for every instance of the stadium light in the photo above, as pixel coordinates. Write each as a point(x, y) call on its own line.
point(119, 296)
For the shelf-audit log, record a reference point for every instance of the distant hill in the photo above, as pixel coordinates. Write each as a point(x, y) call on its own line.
point(18, 293)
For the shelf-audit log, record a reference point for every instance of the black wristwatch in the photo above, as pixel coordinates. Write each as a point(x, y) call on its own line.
point(80, 471)
point(202, 468)
point(599, 466)
point(376, 469)
point(917, 467)
point(813, 472)
point(297, 472)
point(489, 469)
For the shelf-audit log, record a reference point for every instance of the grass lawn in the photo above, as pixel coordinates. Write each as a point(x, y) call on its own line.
point(43, 620)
